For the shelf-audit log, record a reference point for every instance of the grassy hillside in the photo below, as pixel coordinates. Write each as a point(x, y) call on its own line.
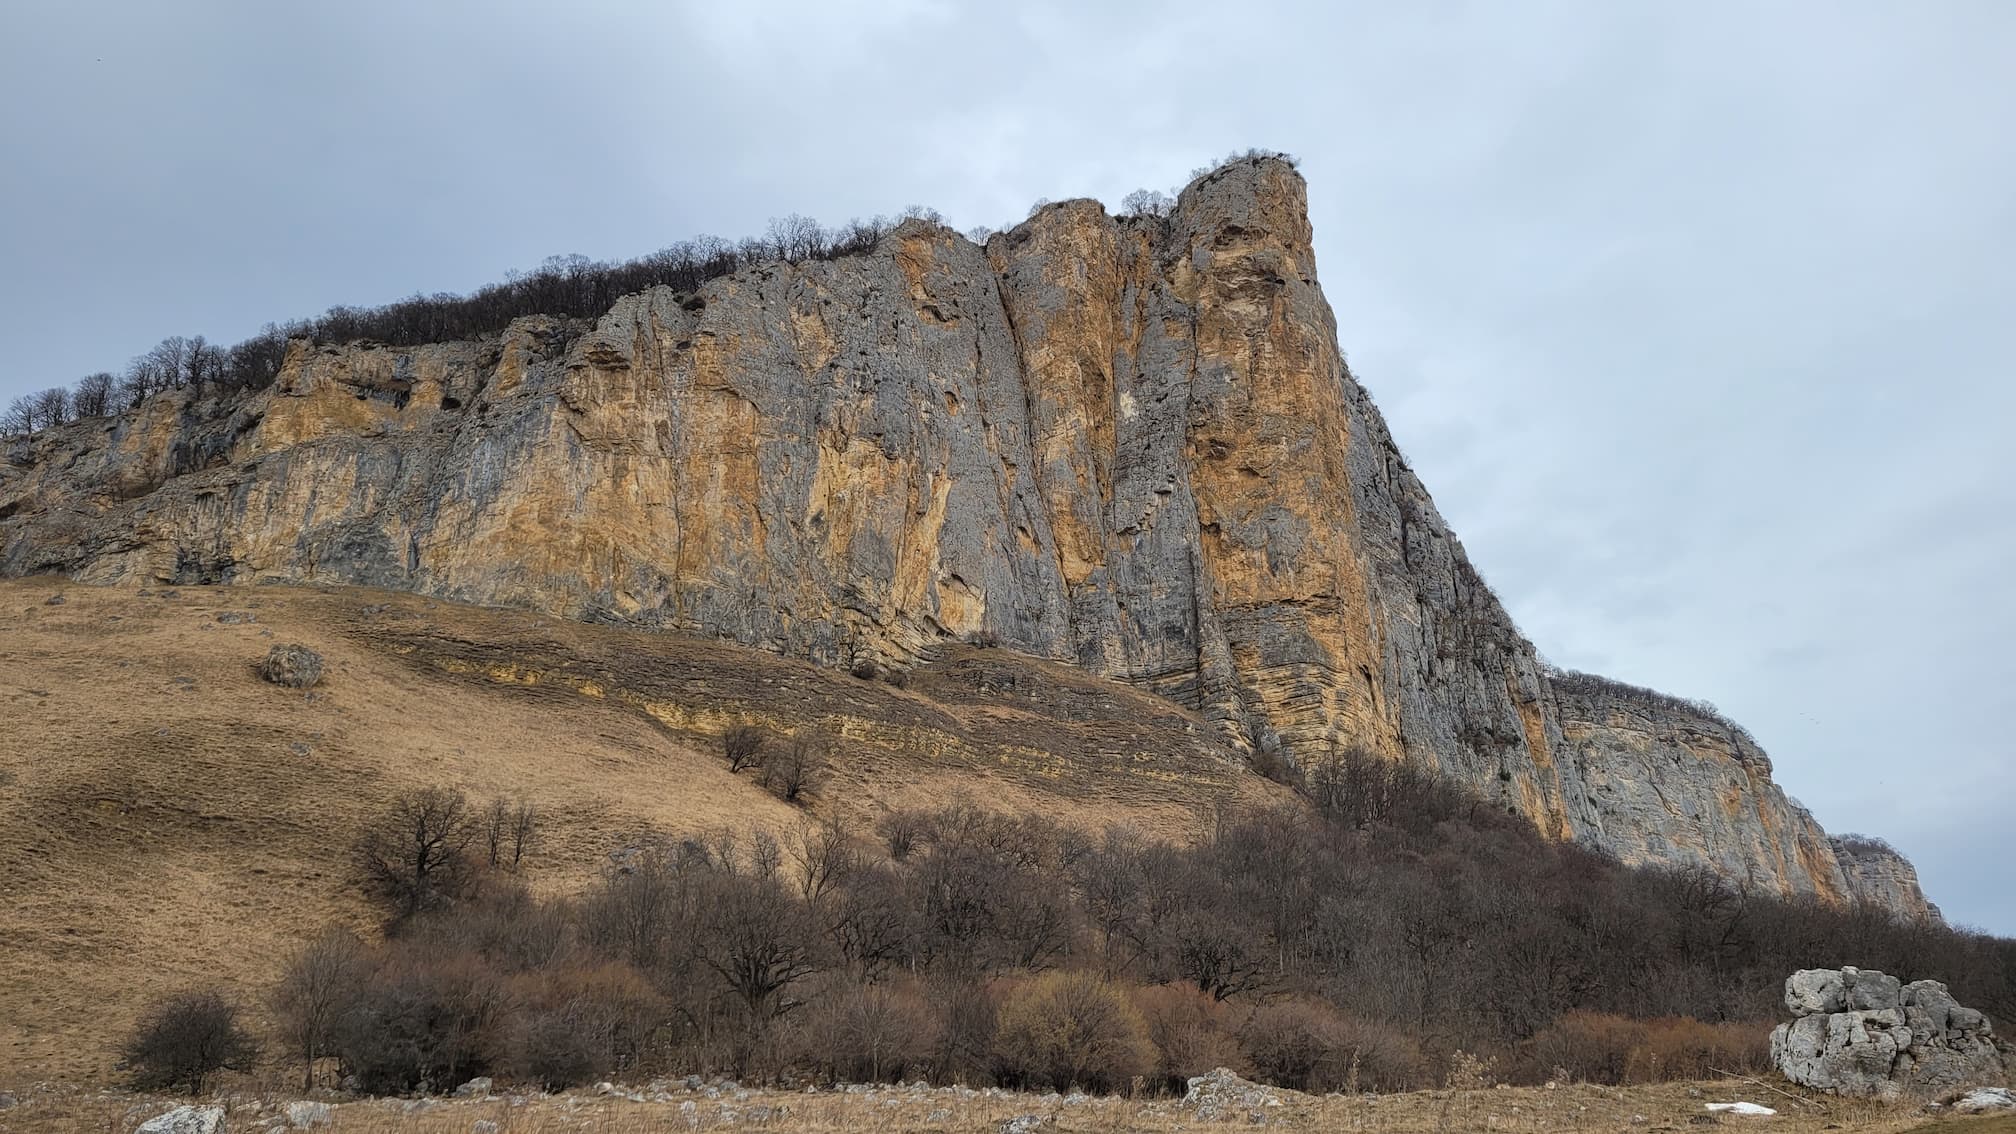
point(168, 819)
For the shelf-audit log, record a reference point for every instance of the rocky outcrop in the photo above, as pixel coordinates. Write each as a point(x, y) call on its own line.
point(1221, 1094)
point(1129, 443)
point(1860, 1032)
point(1879, 876)
point(1679, 786)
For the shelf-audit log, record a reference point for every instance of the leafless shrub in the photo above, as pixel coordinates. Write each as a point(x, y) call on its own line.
point(1191, 1033)
point(426, 1021)
point(180, 1043)
point(1071, 1029)
point(902, 832)
point(795, 768)
point(577, 1024)
point(743, 746)
point(1236, 157)
point(869, 1033)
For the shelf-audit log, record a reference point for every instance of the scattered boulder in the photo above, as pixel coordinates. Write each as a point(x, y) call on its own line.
point(1026, 1123)
point(1862, 1032)
point(477, 1088)
point(185, 1120)
point(302, 1115)
point(236, 617)
point(295, 666)
point(1985, 1100)
point(1221, 1093)
point(55, 600)
point(484, 1126)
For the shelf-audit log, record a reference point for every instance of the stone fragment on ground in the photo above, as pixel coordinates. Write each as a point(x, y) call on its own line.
point(1221, 1093)
point(185, 1120)
point(1985, 1100)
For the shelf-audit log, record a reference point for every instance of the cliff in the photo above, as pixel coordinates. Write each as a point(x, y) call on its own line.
point(1128, 443)
point(1880, 876)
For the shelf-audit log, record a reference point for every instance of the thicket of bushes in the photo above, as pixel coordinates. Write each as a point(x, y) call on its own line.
point(1393, 934)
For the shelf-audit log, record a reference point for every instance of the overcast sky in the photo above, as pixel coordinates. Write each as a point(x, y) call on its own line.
point(1697, 319)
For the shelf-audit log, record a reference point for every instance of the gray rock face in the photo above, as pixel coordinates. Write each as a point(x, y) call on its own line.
point(1862, 1032)
point(303, 1114)
point(1676, 786)
point(1875, 873)
point(1129, 443)
point(185, 1120)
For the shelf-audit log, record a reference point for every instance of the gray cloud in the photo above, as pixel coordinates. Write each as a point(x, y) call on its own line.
point(1695, 319)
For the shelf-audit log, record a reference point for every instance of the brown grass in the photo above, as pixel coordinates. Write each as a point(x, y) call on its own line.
point(1662, 1109)
point(168, 820)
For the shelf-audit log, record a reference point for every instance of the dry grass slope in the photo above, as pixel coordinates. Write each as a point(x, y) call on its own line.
point(167, 819)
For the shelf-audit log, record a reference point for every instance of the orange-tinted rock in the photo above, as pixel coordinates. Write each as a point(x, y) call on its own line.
point(1129, 443)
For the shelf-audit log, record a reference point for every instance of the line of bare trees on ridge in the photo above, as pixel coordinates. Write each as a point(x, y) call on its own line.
point(566, 286)
point(1395, 932)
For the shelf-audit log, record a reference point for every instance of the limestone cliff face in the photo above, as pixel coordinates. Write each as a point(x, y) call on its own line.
point(1878, 875)
point(1681, 788)
point(1129, 443)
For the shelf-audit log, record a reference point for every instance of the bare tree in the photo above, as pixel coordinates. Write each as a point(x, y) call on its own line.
point(795, 238)
point(416, 855)
point(496, 831)
point(203, 364)
point(94, 394)
point(758, 939)
point(20, 416)
point(793, 771)
point(52, 407)
point(826, 856)
point(1147, 203)
point(524, 829)
point(321, 981)
point(743, 746)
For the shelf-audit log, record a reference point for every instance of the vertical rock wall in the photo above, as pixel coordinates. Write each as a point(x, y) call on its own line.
point(1130, 443)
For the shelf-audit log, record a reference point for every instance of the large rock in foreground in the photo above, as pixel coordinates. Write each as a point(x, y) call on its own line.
point(1861, 1032)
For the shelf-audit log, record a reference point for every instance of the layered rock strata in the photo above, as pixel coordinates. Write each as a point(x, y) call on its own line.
point(1129, 443)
